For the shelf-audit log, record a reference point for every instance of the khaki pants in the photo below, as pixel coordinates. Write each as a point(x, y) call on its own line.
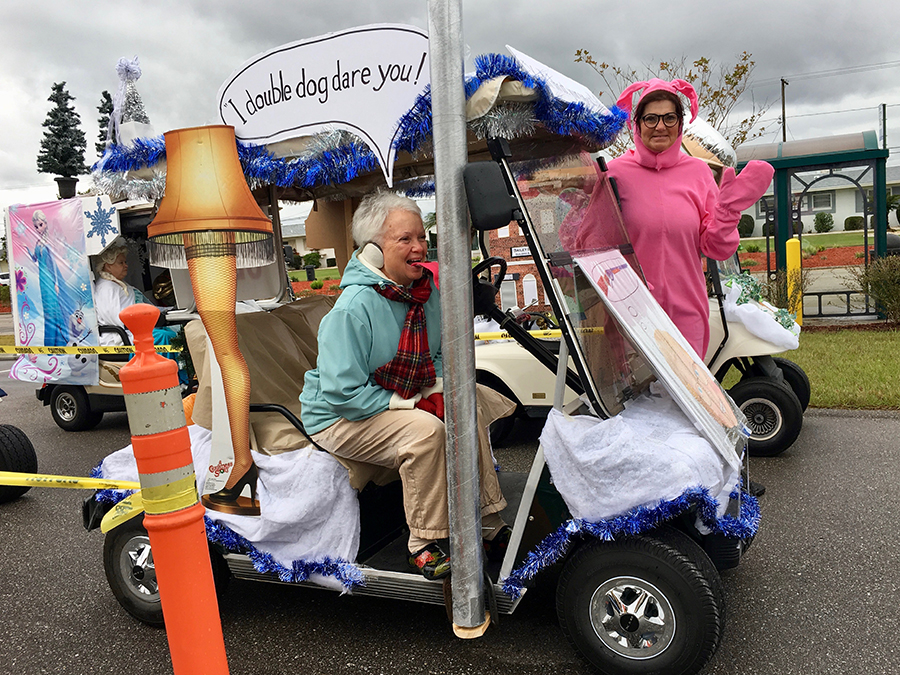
point(412, 441)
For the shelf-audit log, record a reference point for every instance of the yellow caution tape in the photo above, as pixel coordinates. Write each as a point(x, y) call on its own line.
point(43, 480)
point(162, 349)
point(125, 510)
point(503, 335)
point(170, 497)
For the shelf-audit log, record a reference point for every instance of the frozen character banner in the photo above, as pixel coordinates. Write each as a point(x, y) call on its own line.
point(52, 301)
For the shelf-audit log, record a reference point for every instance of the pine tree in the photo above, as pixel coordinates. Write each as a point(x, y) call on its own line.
point(63, 145)
point(105, 109)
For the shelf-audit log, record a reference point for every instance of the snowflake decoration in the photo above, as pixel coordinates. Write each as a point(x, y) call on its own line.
point(101, 222)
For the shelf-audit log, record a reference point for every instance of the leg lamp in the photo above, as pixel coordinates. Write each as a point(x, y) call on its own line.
point(209, 222)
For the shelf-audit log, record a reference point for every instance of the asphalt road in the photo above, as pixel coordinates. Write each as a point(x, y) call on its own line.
point(817, 593)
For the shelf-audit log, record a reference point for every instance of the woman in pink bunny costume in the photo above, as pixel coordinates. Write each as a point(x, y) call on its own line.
point(672, 208)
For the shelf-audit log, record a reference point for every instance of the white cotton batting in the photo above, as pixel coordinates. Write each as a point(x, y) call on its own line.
point(648, 453)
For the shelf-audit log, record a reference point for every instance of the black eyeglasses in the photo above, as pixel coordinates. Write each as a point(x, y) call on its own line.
point(651, 120)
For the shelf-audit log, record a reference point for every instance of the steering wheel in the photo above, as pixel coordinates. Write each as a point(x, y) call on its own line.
point(483, 291)
point(487, 263)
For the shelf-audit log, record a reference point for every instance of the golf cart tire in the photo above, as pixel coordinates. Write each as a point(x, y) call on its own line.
point(128, 563)
point(131, 573)
point(71, 409)
point(774, 414)
point(16, 454)
point(675, 594)
point(796, 379)
point(501, 428)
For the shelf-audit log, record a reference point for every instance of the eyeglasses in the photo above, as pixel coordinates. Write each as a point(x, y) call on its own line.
point(651, 120)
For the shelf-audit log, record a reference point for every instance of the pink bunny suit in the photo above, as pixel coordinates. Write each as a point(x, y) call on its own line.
point(674, 212)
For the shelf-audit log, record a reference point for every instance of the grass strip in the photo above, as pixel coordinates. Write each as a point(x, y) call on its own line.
point(851, 369)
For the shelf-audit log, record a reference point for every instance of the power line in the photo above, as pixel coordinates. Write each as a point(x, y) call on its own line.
point(849, 70)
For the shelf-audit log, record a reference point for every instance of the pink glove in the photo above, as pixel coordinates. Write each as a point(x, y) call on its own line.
point(737, 193)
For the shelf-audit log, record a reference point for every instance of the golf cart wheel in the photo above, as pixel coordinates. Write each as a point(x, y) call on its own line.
point(128, 562)
point(131, 572)
point(773, 412)
point(71, 409)
point(796, 379)
point(16, 454)
point(647, 604)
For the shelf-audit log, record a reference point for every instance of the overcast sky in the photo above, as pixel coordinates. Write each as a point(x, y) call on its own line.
point(187, 49)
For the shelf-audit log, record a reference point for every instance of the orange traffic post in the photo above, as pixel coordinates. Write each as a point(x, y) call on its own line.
point(173, 513)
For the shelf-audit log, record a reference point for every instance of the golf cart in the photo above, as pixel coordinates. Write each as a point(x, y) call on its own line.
point(16, 454)
point(638, 592)
point(773, 392)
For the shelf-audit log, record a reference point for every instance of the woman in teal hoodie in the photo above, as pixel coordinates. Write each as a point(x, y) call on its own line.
point(376, 394)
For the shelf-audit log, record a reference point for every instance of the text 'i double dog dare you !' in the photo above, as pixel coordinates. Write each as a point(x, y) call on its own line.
point(321, 86)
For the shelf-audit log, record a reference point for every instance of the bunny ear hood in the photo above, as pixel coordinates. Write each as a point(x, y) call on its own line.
point(672, 155)
point(683, 87)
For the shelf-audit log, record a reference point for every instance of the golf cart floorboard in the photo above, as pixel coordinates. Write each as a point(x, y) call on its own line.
point(387, 574)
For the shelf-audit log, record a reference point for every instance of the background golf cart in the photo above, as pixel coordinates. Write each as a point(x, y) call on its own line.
point(17, 455)
point(773, 392)
point(80, 408)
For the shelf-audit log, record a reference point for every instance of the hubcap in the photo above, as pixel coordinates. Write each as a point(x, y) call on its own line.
point(764, 418)
point(66, 407)
point(137, 568)
point(632, 617)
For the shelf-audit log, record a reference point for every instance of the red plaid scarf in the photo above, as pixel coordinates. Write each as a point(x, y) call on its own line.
point(412, 367)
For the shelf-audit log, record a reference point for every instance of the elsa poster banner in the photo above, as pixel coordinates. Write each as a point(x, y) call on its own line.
point(51, 290)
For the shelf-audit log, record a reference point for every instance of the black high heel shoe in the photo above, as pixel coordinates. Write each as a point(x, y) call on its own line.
point(229, 500)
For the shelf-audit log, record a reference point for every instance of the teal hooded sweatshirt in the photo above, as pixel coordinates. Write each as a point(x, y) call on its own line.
point(359, 335)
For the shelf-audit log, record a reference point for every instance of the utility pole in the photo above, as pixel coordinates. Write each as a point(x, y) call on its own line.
point(784, 83)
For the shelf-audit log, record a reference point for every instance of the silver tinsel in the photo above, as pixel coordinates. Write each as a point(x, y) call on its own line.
point(506, 120)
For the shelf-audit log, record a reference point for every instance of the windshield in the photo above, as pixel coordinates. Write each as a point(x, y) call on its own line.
point(556, 197)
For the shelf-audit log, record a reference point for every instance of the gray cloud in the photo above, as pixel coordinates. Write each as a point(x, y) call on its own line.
point(188, 48)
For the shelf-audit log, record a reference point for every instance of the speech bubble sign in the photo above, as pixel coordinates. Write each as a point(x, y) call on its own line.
point(362, 80)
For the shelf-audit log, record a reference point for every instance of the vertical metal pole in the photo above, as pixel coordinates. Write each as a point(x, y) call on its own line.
point(783, 117)
point(883, 107)
point(458, 342)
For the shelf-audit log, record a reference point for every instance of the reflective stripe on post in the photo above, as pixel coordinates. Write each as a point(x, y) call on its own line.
point(174, 515)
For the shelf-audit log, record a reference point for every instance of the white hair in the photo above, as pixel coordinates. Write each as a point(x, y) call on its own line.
point(109, 256)
point(373, 211)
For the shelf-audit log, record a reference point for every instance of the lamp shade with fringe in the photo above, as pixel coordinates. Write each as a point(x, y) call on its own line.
point(207, 197)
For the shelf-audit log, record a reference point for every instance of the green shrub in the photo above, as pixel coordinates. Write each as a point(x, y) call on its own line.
point(854, 223)
point(746, 225)
point(312, 258)
point(752, 248)
point(317, 284)
point(4, 295)
point(881, 280)
point(824, 222)
point(749, 262)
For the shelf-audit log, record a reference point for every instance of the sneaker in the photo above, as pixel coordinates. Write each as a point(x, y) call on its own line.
point(495, 548)
point(431, 561)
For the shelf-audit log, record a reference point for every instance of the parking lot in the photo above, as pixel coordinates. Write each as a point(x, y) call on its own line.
point(815, 594)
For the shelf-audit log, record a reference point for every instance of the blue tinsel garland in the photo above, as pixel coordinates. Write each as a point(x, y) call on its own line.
point(348, 574)
point(344, 162)
point(642, 519)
